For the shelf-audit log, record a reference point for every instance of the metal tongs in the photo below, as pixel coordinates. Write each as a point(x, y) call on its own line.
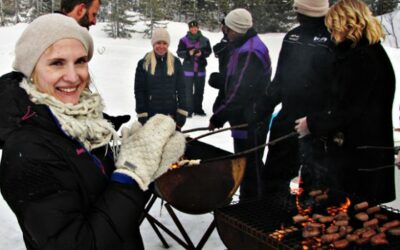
point(212, 132)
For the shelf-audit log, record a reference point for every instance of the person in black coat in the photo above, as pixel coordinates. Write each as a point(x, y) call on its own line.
point(66, 186)
point(194, 48)
point(301, 84)
point(247, 76)
point(361, 115)
point(217, 79)
point(159, 84)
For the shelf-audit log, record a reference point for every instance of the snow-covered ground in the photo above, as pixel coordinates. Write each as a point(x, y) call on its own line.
point(113, 69)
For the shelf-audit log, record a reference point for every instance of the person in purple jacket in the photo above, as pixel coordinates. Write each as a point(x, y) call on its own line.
point(247, 76)
point(194, 48)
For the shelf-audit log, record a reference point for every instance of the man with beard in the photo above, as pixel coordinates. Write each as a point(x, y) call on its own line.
point(83, 11)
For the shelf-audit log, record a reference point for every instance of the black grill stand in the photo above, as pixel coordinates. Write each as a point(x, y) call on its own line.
point(186, 242)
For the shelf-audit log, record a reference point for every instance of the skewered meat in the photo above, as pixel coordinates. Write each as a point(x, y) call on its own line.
point(332, 229)
point(341, 223)
point(342, 216)
point(368, 234)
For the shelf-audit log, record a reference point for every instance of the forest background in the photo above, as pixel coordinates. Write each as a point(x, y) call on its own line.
point(122, 15)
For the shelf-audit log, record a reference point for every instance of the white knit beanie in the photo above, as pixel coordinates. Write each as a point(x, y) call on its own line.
point(160, 35)
point(312, 8)
point(41, 34)
point(239, 20)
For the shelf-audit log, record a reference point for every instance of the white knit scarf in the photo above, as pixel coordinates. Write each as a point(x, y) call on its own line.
point(83, 121)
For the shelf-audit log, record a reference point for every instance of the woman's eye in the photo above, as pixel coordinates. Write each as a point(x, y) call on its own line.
point(56, 63)
point(82, 60)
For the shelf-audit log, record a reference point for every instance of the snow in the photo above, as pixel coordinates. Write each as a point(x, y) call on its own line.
point(112, 70)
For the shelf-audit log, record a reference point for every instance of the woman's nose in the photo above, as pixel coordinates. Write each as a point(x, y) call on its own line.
point(71, 75)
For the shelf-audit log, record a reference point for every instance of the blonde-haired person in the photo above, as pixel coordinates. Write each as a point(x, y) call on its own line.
point(159, 84)
point(57, 171)
point(361, 115)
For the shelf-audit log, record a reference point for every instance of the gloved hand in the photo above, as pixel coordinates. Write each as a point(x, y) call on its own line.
point(216, 80)
point(180, 120)
point(148, 151)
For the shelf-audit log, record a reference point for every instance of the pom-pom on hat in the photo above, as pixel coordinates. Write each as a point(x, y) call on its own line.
point(311, 8)
point(160, 35)
point(239, 20)
point(41, 34)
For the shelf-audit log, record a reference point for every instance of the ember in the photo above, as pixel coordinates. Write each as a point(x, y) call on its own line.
point(269, 224)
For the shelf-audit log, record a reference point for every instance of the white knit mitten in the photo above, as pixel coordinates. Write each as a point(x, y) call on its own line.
point(173, 150)
point(142, 149)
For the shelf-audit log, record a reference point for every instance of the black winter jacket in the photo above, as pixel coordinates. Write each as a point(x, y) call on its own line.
point(159, 93)
point(302, 84)
point(247, 76)
point(193, 64)
point(61, 194)
point(362, 112)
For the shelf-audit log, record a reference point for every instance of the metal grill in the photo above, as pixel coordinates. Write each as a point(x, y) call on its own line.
point(251, 225)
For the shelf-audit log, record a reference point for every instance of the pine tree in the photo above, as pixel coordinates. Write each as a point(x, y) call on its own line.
point(154, 15)
point(120, 21)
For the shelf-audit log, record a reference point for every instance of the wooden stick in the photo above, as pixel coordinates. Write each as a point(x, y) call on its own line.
point(217, 131)
point(270, 143)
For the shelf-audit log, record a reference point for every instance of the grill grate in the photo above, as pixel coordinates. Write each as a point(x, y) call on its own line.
point(259, 219)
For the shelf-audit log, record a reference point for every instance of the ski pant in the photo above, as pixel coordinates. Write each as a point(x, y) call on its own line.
point(251, 183)
point(195, 91)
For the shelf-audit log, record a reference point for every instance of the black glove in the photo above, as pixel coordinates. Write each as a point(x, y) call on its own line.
point(143, 119)
point(180, 120)
point(216, 80)
point(117, 121)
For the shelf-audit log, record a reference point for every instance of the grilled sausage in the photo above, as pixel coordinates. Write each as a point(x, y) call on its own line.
point(371, 223)
point(362, 216)
point(328, 238)
point(381, 216)
point(352, 237)
point(311, 233)
point(341, 244)
point(332, 229)
point(391, 224)
point(362, 241)
point(368, 234)
point(373, 210)
point(342, 216)
point(315, 193)
point(326, 219)
point(341, 223)
point(379, 239)
point(300, 218)
point(361, 206)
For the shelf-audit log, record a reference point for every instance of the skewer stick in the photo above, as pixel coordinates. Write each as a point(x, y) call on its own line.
point(217, 131)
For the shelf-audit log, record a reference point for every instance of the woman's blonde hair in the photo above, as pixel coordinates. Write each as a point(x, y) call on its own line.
point(352, 19)
point(150, 61)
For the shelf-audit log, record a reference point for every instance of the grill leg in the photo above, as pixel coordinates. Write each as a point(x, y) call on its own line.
point(179, 225)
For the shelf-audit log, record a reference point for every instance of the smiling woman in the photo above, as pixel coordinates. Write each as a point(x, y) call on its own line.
point(67, 187)
point(62, 71)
